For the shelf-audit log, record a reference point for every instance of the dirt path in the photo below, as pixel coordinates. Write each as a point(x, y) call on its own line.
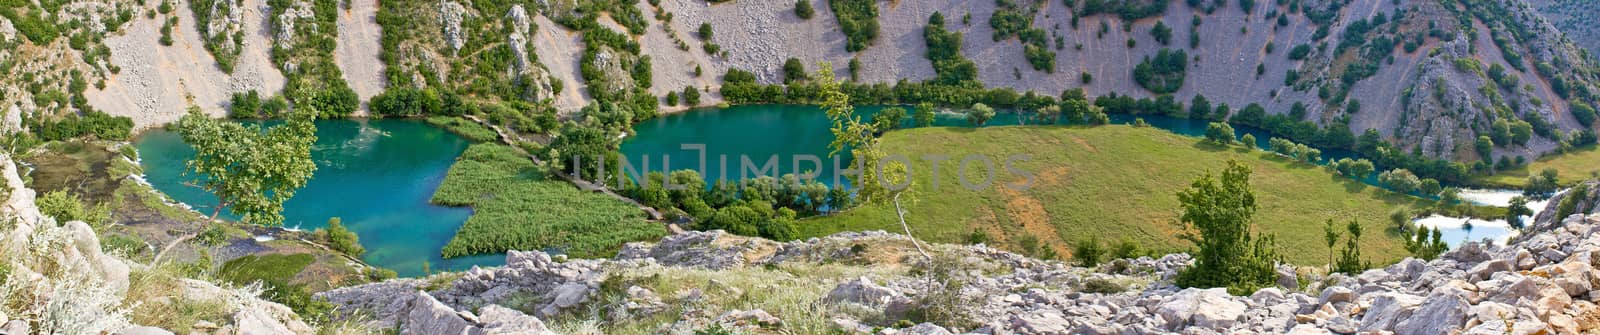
point(358, 48)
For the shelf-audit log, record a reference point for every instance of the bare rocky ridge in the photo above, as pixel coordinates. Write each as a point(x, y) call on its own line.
point(1543, 282)
point(158, 83)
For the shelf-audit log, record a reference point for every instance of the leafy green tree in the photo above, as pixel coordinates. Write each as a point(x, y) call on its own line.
point(793, 71)
point(925, 115)
point(1162, 32)
point(1485, 148)
point(851, 133)
point(250, 170)
point(979, 114)
point(1400, 217)
point(1516, 210)
point(1219, 133)
point(889, 118)
point(341, 239)
point(1217, 216)
point(1542, 184)
point(1249, 141)
point(691, 96)
point(1399, 180)
point(1427, 244)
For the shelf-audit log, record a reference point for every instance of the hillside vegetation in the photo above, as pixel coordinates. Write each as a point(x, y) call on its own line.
point(1111, 183)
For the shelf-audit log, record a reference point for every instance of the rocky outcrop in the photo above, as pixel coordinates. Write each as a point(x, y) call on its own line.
point(450, 16)
point(73, 287)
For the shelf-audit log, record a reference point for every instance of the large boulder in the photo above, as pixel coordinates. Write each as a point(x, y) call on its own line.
point(1206, 308)
point(1441, 313)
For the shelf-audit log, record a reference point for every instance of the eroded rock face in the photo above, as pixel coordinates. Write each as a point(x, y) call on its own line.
point(451, 14)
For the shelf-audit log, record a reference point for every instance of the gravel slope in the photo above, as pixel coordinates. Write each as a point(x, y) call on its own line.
point(360, 42)
point(158, 83)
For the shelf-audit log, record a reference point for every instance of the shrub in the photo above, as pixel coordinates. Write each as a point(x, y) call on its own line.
point(802, 9)
point(1218, 214)
point(1088, 252)
point(691, 96)
point(858, 19)
point(66, 207)
point(980, 114)
point(1219, 133)
point(341, 239)
point(1162, 33)
point(1164, 73)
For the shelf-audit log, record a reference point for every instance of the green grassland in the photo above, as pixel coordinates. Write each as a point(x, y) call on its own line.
point(1114, 182)
point(516, 207)
point(1571, 167)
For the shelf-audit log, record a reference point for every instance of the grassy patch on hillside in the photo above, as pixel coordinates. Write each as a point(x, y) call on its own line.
point(516, 207)
point(1571, 167)
point(1112, 182)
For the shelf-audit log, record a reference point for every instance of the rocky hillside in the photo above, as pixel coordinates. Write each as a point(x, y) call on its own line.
point(888, 284)
point(55, 279)
point(1430, 76)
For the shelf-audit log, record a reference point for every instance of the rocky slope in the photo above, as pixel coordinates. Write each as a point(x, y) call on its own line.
point(55, 279)
point(1541, 283)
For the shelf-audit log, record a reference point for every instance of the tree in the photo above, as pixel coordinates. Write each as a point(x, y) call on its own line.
point(1485, 148)
point(1350, 258)
point(251, 171)
point(1219, 133)
point(1400, 217)
point(1330, 235)
point(341, 239)
point(1427, 244)
point(793, 71)
point(1399, 181)
point(925, 115)
point(691, 96)
point(1162, 33)
point(979, 114)
point(802, 9)
point(705, 31)
point(889, 118)
point(1516, 210)
point(1217, 216)
point(1249, 141)
point(1543, 184)
point(851, 133)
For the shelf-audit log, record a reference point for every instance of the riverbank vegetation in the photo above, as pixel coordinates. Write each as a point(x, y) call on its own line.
point(517, 206)
point(1106, 174)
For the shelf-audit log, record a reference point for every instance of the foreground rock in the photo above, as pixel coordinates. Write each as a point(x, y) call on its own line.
point(1541, 283)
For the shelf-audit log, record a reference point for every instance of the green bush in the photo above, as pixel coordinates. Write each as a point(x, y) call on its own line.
point(1217, 213)
point(1164, 73)
point(802, 9)
point(341, 239)
point(858, 19)
point(66, 207)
